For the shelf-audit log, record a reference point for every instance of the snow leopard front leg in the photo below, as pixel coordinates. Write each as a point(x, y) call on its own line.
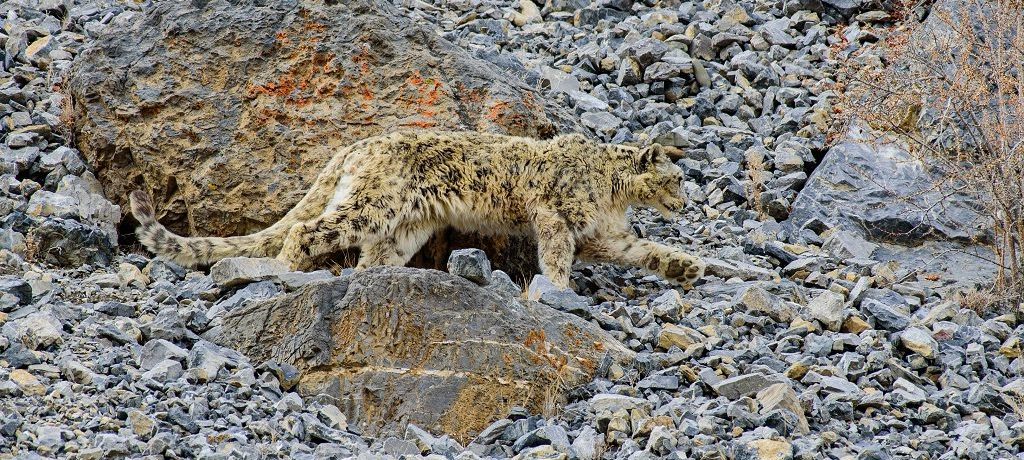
point(623, 247)
point(555, 246)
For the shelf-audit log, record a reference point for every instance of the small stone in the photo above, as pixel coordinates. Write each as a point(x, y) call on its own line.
point(400, 447)
point(160, 269)
point(544, 291)
point(334, 417)
point(19, 290)
point(734, 269)
point(770, 449)
point(234, 271)
point(630, 72)
point(885, 317)
point(113, 446)
point(471, 264)
point(36, 331)
point(782, 396)
point(552, 435)
point(827, 308)
point(588, 445)
point(164, 371)
point(908, 393)
point(919, 341)
point(831, 384)
point(158, 350)
point(131, 275)
point(295, 280)
point(667, 306)
point(115, 309)
point(742, 385)
point(601, 122)
point(27, 382)
point(423, 440)
point(287, 375)
point(501, 282)
point(558, 81)
point(848, 245)
point(142, 425)
point(678, 336)
point(659, 382)
point(77, 372)
point(855, 325)
point(290, 402)
point(1011, 348)
point(206, 359)
point(614, 403)
point(756, 299)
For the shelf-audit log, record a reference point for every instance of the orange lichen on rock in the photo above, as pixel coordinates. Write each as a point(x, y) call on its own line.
point(310, 74)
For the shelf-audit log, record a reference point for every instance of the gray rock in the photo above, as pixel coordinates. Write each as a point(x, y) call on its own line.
point(115, 309)
point(167, 325)
point(601, 122)
point(630, 72)
point(206, 359)
point(552, 435)
point(501, 282)
point(160, 269)
point(14, 292)
point(736, 269)
point(588, 445)
point(295, 280)
point(234, 271)
point(159, 350)
point(587, 103)
point(36, 331)
point(254, 291)
point(68, 243)
point(746, 384)
point(471, 264)
point(542, 290)
point(615, 403)
point(919, 341)
point(164, 371)
point(780, 396)
point(776, 32)
point(659, 382)
point(886, 195)
point(558, 81)
point(756, 299)
point(884, 316)
point(828, 308)
point(849, 245)
point(840, 385)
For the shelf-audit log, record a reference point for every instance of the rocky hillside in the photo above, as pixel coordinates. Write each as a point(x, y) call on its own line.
point(835, 322)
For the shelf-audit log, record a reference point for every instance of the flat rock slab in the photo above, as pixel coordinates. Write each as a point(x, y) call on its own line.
point(226, 111)
point(400, 345)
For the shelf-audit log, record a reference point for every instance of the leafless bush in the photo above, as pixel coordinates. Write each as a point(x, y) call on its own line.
point(952, 87)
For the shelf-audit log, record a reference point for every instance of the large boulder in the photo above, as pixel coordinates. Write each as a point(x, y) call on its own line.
point(883, 191)
point(400, 345)
point(879, 191)
point(226, 111)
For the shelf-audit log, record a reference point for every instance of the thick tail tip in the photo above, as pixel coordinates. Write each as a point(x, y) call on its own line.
point(142, 206)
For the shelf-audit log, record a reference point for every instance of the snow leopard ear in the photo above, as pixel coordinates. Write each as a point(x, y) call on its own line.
point(649, 155)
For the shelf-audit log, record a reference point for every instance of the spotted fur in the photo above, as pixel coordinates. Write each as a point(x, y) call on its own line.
point(388, 194)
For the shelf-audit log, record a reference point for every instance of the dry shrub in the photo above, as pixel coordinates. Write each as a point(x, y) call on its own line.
point(952, 88)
